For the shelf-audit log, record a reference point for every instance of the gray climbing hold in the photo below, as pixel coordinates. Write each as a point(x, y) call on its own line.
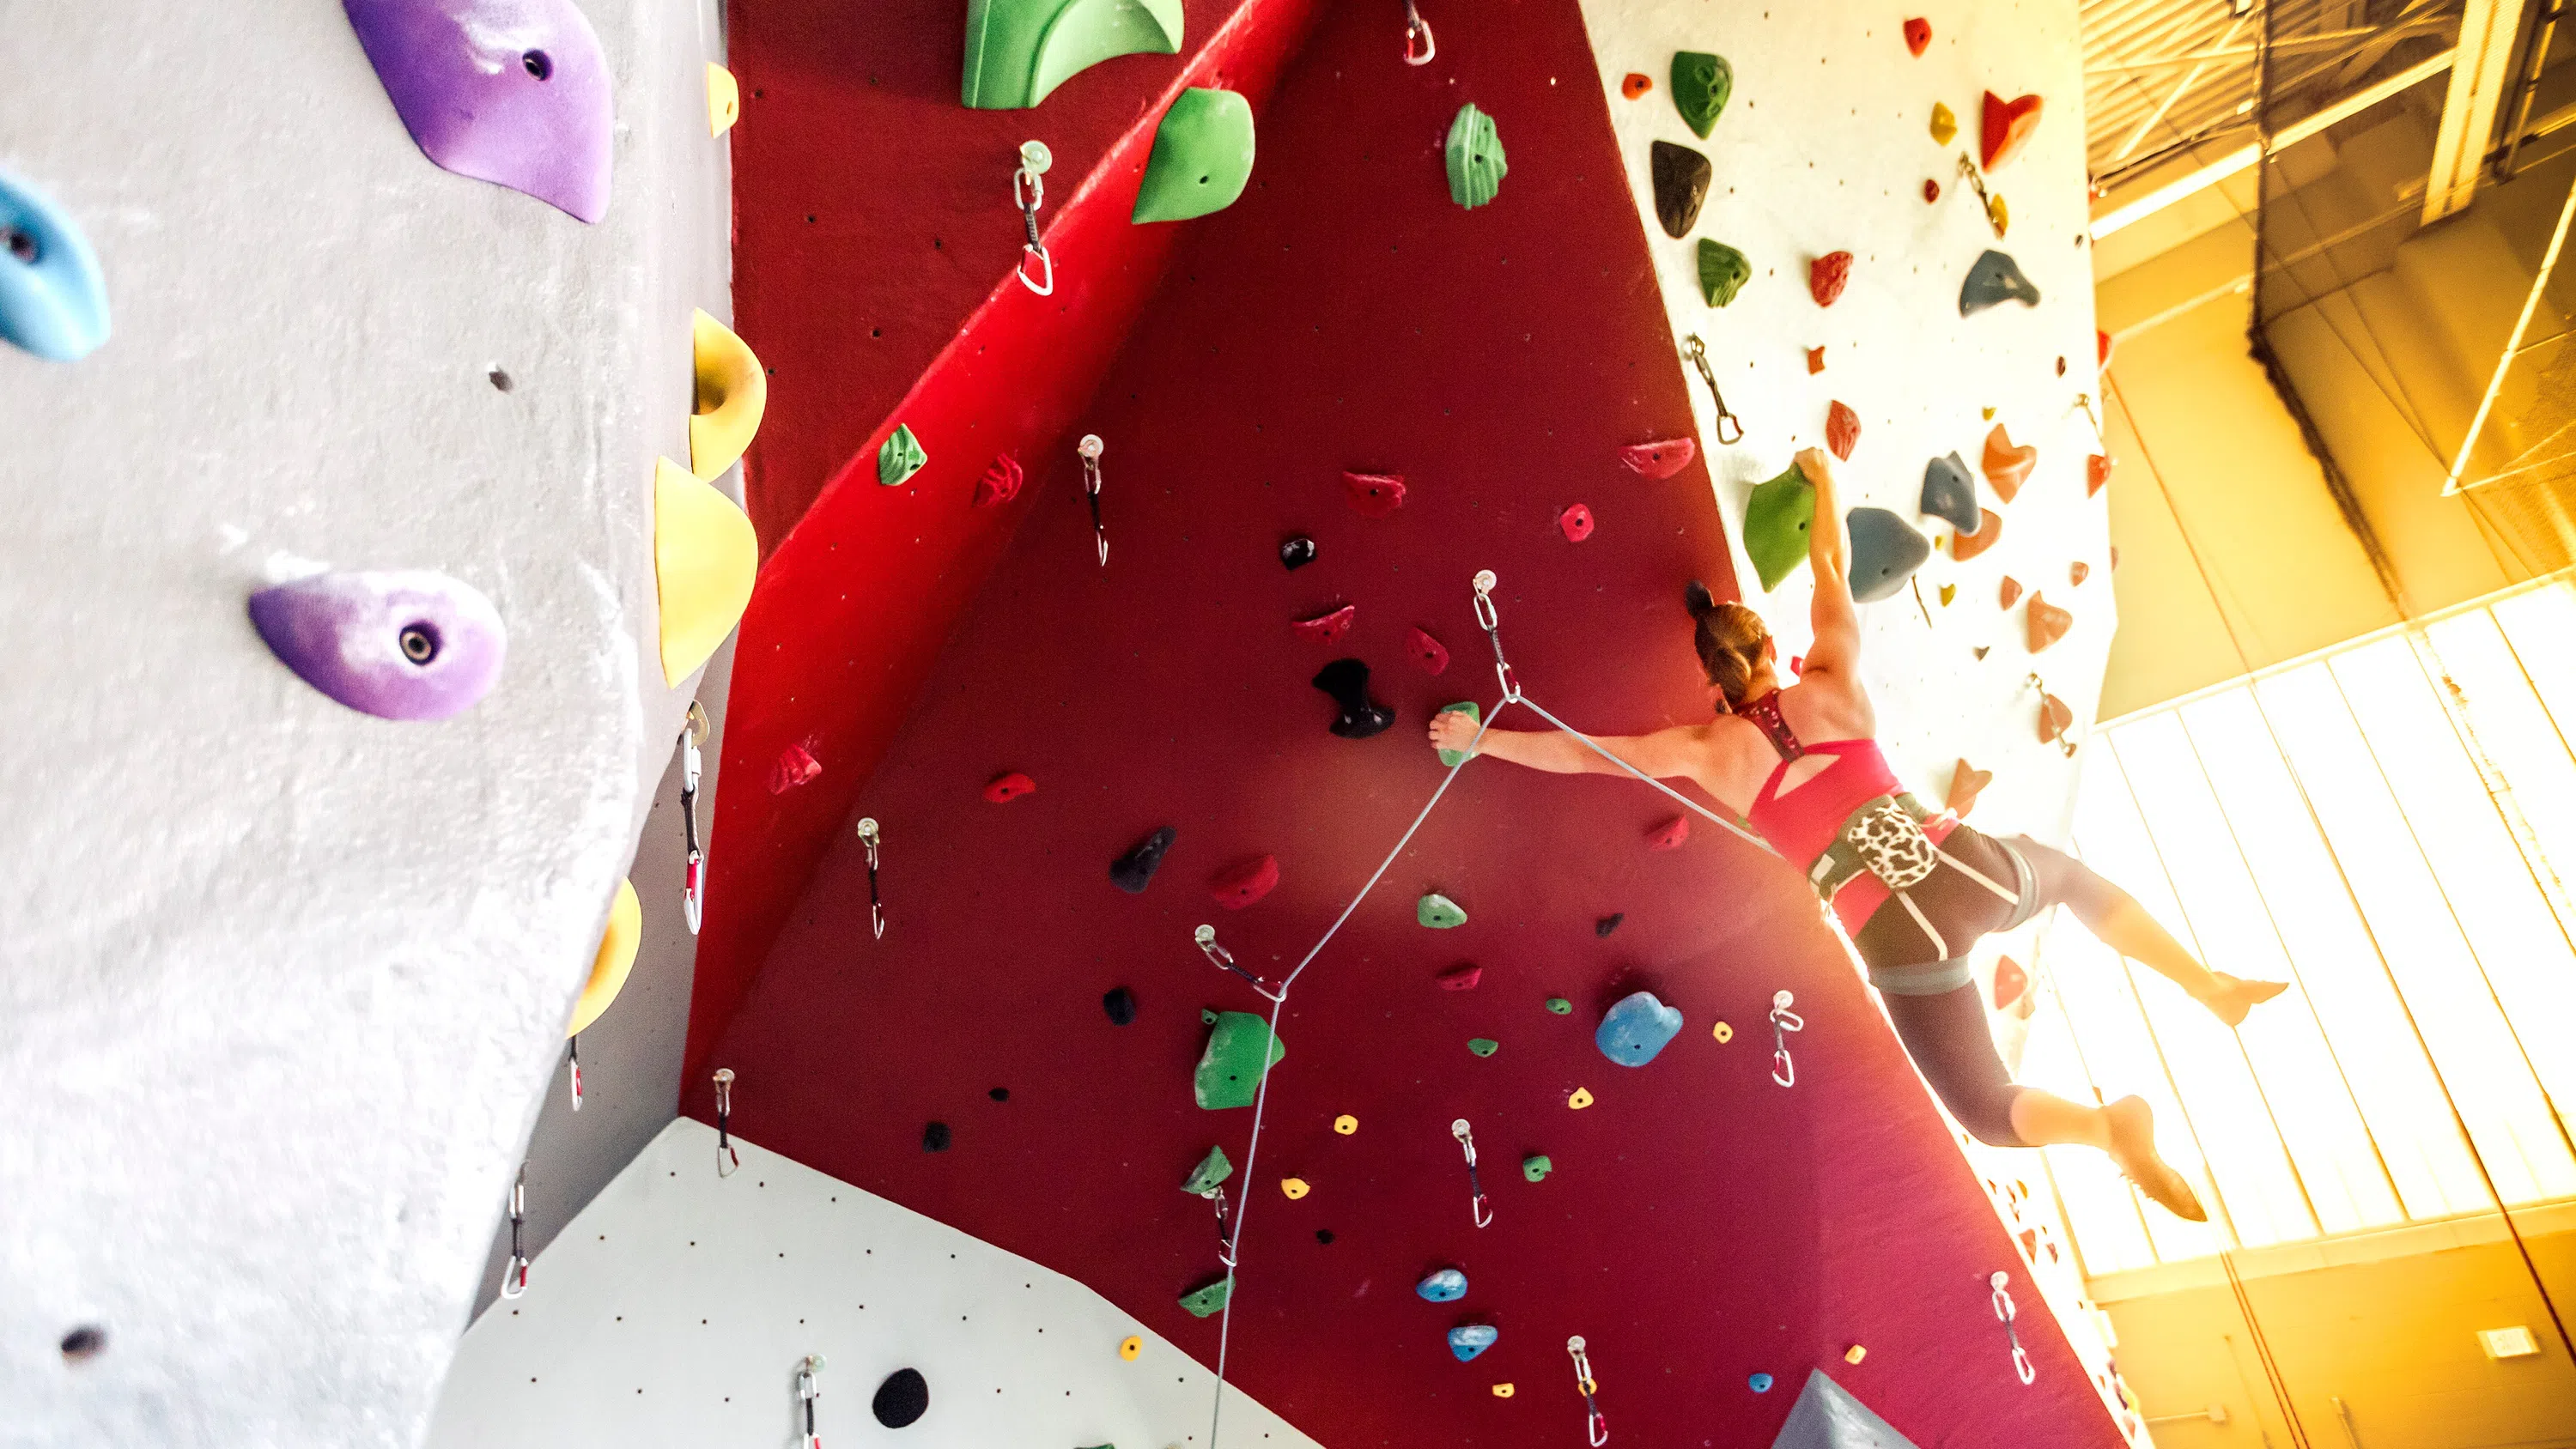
point(1634, 1030)
point(1470, 1339)
point(1681, 185)
point(1826, 1416)
point(1994, 280)
point(1949, 493)
point(1885, 552)
point(1448, 1285)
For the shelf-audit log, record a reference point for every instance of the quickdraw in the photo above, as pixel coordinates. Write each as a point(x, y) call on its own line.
point(2005, 1310)
point(1697, 352)
point(1224, 959)
point(727, 1160)
point(1783, 1022)
point(1090, 449)
point(514, 1278)
point(1479, 1209)
point(1596, 1428)
point(693, 899)
point(870, 837)
point(809, 1387)
point(1417, 29)
point(1028, 193)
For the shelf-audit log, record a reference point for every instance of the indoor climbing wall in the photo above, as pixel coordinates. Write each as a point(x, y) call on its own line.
point(308, 863)
point(1020, 1052)
point(682, 1305)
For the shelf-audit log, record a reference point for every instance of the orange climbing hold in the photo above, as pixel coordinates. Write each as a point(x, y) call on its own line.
point(1827, 276)
point(2007, 128)
point(1003, 789)
point(2077, 572)
point(2097, 471)
point(1636, 85)
point(1965, 546)
point(2101, 348)
point(1967, 782)
point(1842, 430)
point(2047, 623)
point(1659, 460)
point(2010, 982)
point(2007, 467)
point(2010, 594)
point(2055, 719)
point(1815, 360)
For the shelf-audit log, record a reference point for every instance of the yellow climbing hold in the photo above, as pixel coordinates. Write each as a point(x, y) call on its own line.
point(704, 556)
point(1502, 1391)
point(616, 957)
point(1130, 1346)
point(1944, 124)
point(1855, 1354)
point(1581, 1098)
point(1346, 1124)
point(732, 394)
point(724, 99)
point(1722, 1032)
point(1295, 1187)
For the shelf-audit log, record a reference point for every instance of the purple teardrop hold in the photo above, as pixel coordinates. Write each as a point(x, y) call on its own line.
point(508, 91)
point(397, 645)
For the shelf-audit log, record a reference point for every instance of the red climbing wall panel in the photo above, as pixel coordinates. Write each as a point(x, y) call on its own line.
point(1702, 1224)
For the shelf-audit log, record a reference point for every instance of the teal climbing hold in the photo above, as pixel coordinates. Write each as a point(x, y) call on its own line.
point(1476, 162)
point(1950, 493)
point(1483, 1046)
point(1637, 1028)
point(1443, 1285)
point(1885, 552)
point(1470, 710)
point(1438, 911)
point(1212, 1169)
point(900, 457)
point(1993, 281)
point(1204, 1301)
point(1230, 1068)
point(1826, 1416)
point(1701, 85)
point(1536, 1166)
point(1776, 519)
point(53, 297)
point(1202, 157)
point(1723, 272)
point(1560, 1006)
point(1019, 50)
point(1470, 1339)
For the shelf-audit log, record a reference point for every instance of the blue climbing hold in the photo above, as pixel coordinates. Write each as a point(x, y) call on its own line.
point(1470, 1339)
point(1994, 280)
point(1637, 1028)
point(1448, 1285)
point(53, 298)
point(1885, 552)
point(1950, 494)
point(1759, 1383)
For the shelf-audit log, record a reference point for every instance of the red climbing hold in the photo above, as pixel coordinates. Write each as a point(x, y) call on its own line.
point(1659, 460)
point(1965, 546)
point(1426, 651)
point(1003, 789)
point(2097, 471)
point(2010, 982)
point(1327, 628)
point(1670, 834)
point(1797, 666)
point(1461, 977)
point(795, 766)
point(1931, 191)
point(1636, 85)
point(2101, 348)
point(2047, 622)
point(1245, 883)
point(2077, 572)
point(1842, 430)
point(1576, 523)
point(2007, 467)
point(1000, 483)
point(1918, 34)
point(2007, 128)
point(1815, 360)
point(1374, 495)
point(1967, 782)
point(2011, 593)
point(1827, 275)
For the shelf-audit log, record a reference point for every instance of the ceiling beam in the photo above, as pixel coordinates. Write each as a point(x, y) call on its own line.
point(2483, 74)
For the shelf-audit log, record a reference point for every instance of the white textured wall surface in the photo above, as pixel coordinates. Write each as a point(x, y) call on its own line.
point(280, 982)
point(676, 1308)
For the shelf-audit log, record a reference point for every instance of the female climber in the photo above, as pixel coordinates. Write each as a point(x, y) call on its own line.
point(1914, 891)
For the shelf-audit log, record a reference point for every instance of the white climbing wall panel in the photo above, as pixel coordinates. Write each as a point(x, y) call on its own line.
point(677, 1307)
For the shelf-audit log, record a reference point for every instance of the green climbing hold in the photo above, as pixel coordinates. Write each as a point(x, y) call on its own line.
point(1452, 757)
point(1439, 912)
point(1560, 1006)
point(1212, 1169)
point(901, 456)
point(1019, 50)
point(1723, 272)
point(1202, 157)
point(1701, 84)
point(1484, 1046)
point(1208, 1300)
point(1230, 1069)
point(1476, 164)
point(1776, 519)
point(1536, 1166)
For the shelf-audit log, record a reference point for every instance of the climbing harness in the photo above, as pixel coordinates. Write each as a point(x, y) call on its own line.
point(1090, 449)
point(693, 899)
point(572, 1055)
point(869, 836)
point(1418, 29)
point(514, 1278)
point(1206, 937)
point(809, 1388)
point(1783, 1022)
point(1028, 193)
point(1595, 1427)
point(2004, 1310)
point(1996, 216)
point(726, 1158)
point(1697, 352)
point(1479, 1211)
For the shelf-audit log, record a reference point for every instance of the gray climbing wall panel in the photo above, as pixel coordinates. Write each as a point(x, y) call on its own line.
point(1826, 1416)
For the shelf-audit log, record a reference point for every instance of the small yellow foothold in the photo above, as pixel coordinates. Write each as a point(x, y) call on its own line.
point(724, 99)
point(1990, 414)
point(1581, 1098)
point(1944, 124)
point(1722, 1032)
point(1131, 1346)
point(1855, 1354)
point(1295, 1187)
point(1998, 214)
point(1502, 1391)
point(1346, 1124)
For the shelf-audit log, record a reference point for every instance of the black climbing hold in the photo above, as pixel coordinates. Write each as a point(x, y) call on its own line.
point(1681, 184)
point(1134, 871)
point(903, 1398)
point(1120, 1003)
point(1346, 680)
point(1324, 1236)
point(1994, 280)
point(1608, 923)
point(1885, 552)
point(1296, 553)
point(934, 1138)
point(999, 1094)
point(1948, 492)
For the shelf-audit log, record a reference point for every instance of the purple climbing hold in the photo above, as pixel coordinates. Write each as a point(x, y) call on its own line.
point(514, 92)
point(399, 645)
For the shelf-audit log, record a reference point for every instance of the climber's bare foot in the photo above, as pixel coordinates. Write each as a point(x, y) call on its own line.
point(2234, 996)
point(2133, 1147)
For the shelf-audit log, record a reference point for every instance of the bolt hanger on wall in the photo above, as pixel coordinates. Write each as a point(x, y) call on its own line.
point(514, 1278)
point(727, 1160)
point(1595, 1427)
point(1419, 44)
point(1224, 959)
point(1028, 193)
point(693, 764)
point(1697, 352)
point(1089, 450)
point(869, 836)
point(1478, 1209)
point(1783, 1022)
point(809, 1387)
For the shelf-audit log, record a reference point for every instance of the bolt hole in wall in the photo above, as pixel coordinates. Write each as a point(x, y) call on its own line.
point(84, 1343)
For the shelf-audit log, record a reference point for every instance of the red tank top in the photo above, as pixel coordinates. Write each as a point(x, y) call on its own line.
point(1802, 824)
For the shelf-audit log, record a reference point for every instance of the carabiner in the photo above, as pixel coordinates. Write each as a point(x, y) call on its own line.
point(2004, 1309)
point(809, 1388)
point(1417, 28)
point(870, 836)
point(1028, 193)
point(693, 897)
point(1479, 1210)
point(1224, 960)
point(1697, 352)
point(1783, 1021)
point(727, 1160)
point(1089, 450)
point(1596, 1427)
point(514, 1278)
point(572, 1055)
point(1490, 620)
